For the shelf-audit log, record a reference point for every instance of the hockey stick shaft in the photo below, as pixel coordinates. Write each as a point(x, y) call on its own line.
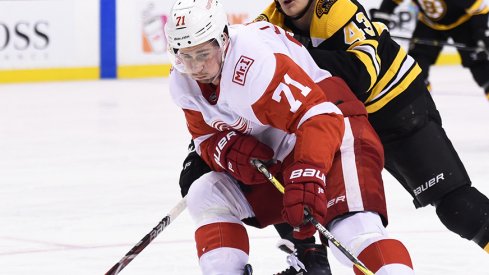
point(358, 264)
point(174, 212)
point(435, 43)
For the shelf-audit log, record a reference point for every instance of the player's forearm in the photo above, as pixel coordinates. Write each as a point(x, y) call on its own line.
point(320, 152)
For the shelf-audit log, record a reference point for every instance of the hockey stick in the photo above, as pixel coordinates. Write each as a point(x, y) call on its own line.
point(436, 43)
point(358, 264)
point(177, 209)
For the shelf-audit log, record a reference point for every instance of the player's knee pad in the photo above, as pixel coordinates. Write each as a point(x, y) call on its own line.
point(426, 164)
point(216, 197)
point(465, 211)
point(356, 232)
point(366, 237)
point(223, 248)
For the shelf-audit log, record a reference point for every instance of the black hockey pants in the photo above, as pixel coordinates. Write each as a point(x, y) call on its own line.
point(418, 152)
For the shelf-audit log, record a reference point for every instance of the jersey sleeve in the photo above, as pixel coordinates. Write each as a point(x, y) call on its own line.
point(204, 137)
point(293, 103)
point(202, 133)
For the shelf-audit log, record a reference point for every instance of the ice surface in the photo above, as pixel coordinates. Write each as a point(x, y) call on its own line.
point(88, 168)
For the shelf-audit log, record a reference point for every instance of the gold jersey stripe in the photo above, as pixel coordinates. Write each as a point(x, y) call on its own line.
point(415, 71)
point(367, 62)
point(389, 75)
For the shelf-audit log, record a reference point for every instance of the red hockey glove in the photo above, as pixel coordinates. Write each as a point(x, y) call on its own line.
point(233, 152)
point(304, 189)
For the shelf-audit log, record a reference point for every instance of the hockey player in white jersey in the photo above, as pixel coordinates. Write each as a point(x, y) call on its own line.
point(254, 92)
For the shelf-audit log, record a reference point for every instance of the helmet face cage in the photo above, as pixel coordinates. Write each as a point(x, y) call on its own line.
point(187, 61)
point(193, 22)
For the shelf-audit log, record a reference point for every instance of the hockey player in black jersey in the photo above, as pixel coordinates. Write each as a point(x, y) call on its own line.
point(465, 21)
point(418, 152)
point(401, 109)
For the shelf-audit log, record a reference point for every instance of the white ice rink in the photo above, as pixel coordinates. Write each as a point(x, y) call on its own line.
point(88, 168)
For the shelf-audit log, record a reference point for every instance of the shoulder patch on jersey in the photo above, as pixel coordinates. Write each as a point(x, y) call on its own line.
point(241, 69)
point(323, 7)
point(262, 17)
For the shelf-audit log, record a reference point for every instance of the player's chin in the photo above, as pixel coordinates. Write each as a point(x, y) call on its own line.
point(203, 80)
point(206, 79)
point(291, 8)
point(199, 78)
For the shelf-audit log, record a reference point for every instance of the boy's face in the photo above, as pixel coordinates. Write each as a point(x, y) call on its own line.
point(202, 62)
point(293, 7)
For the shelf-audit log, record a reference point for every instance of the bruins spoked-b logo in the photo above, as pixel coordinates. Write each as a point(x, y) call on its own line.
point(323, 7)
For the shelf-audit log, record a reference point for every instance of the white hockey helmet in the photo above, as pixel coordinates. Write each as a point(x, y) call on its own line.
point(193, 22)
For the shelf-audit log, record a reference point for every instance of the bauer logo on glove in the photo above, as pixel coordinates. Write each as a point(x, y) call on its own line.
point(308, 172)
point(220, 145)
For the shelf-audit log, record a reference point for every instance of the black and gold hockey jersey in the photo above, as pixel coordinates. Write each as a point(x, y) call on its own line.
point(442, 14)
point(344, 41)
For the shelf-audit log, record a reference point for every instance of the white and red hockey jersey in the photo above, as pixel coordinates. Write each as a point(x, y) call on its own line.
point(267, 89)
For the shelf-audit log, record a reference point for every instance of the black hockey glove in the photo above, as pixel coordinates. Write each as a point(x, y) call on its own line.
point(482, 51)
point(193, 168)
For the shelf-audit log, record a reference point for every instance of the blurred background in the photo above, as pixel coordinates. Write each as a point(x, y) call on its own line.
point(51, 40)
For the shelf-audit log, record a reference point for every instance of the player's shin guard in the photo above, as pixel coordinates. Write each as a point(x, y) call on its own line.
point(465, 211)
point(386, 256)
point(366, 237)
point(223, 248)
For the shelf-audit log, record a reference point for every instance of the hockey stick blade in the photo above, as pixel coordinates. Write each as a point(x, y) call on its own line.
point(308, 217)
point(177, 209)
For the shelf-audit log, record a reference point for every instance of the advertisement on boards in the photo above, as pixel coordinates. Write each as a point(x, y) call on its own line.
point(153, 33)
point(140, 27)
point(36, 34)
